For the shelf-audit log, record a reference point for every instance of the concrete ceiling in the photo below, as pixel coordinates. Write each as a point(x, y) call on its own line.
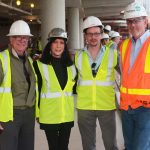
point(104, 9)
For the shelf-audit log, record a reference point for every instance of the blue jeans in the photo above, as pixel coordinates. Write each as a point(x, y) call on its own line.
point(136, 128)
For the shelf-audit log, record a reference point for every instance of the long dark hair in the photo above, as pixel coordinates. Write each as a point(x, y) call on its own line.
point(46, 55)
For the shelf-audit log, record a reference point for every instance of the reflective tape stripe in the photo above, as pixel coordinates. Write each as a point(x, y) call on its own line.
point(135, 91)
point(139, 91)
point(98, 83)
point(46, 74)
point(5, 63)
point(73, 71)
point(108, 83)
point(123, 89)
point(110, 63)
point(147, 61)
point(124, 46)
point(79, 61)
point(5, 90)
point(55, 95)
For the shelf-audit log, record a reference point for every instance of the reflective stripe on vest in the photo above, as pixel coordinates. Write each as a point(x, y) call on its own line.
point(124, 46)
point(78, 62)
point(98, 83)
point(135, 88)
point(73, 71)
point(96, 93)
point(55, 95)
point(110, 64)
point(147, 61)
point(135, 91)
point(46, 73)
point(5, 90)
point(5, 63)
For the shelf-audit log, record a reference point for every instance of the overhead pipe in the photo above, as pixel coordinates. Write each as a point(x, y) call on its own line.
point(121, 23)
point(114, 21)
point(14, 8)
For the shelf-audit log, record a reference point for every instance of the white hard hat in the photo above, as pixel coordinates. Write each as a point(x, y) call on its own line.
point(134, 10)
point(108, 27)
point(57, 32)
point(110, 33)
point(92, 21)
point(115, 34)
point(105, 36)
point(19, 27)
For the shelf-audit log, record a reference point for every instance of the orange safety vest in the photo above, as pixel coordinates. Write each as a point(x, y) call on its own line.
point(135, 86)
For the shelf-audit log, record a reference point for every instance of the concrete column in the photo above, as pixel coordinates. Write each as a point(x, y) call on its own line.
point(52, 16)
point(81, 33)
point(73, 29)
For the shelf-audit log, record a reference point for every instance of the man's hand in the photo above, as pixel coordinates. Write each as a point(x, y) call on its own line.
point(1, 128)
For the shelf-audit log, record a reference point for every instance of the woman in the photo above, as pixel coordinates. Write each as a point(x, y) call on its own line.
point(56, 105)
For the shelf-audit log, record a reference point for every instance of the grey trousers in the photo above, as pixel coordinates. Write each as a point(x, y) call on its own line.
point(19, 133)
point(87, 126)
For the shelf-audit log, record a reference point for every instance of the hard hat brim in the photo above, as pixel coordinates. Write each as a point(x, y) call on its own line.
point(19, 35)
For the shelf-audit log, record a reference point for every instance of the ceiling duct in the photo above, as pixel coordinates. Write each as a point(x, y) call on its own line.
point(14, 8)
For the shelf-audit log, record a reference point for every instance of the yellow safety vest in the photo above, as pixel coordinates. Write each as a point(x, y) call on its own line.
point(56, 105)
point(6, 99)
point(110, 43)
point(96, 93)
point(39, 45)
point(37, 93)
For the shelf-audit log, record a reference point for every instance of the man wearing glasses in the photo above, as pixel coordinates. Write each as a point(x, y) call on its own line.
point(95, 87)
point(135, 86)
point(17, 91)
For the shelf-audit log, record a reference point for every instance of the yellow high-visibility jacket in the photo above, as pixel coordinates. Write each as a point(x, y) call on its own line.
point(96, 93)
point(56, 105)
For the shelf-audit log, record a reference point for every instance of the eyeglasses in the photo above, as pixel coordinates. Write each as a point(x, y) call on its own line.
point(94, 71)
point(19, 38)
point(93, 34)
point(135, 21)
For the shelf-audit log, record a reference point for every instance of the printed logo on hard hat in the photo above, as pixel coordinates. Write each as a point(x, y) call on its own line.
point(137, 8)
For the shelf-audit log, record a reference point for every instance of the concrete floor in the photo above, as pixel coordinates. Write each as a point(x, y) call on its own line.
point(75, 139)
